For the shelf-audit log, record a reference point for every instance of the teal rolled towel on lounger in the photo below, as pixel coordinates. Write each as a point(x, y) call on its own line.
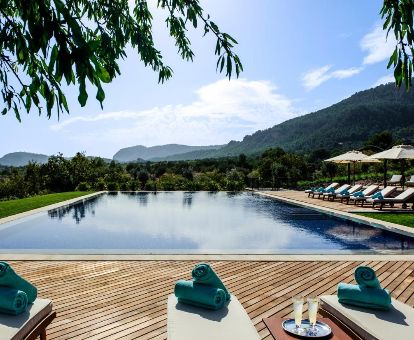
point(364, 296)
point(12, 301)
point(192, 293)
point(204, 274)
point(377, 196)
point(358, 194)
point(365, 276)
point(8, 278)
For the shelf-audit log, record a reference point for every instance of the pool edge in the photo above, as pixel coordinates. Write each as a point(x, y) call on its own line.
point(388, 226)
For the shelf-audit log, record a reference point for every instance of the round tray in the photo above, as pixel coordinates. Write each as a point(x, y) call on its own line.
point(322, 329)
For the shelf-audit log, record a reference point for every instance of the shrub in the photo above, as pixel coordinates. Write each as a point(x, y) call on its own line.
point(83, 186)
point(112, 186)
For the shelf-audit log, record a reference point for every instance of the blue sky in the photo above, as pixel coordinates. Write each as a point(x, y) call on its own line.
point(298, 56)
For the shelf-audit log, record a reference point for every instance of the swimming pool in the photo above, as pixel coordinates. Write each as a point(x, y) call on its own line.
point(192, 222)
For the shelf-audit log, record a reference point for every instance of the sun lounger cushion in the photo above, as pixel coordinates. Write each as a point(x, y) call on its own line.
point(16, 327)
point(396, 323)
point(187, 322)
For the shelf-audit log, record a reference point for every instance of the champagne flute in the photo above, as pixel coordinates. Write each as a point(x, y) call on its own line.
point(297, 313)
point(313, 303)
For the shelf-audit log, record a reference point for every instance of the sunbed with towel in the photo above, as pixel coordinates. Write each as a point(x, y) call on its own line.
point(368, 191)
point(22, 314)
point(203, 309)
point(321, 190)
point(348, 192)
point(333, 193)
point(368, 310)
point(386, 192)
point(405, 197)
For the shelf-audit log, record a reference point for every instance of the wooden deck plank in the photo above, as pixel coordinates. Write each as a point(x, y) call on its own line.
point(127, 299)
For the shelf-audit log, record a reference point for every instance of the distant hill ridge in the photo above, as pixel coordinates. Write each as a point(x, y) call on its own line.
point(158, 152)
point(22, 158)
point(345, 125)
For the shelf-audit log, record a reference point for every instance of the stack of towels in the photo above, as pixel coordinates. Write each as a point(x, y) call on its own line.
point(205, 290)
point(366, 293)
point(15, 292)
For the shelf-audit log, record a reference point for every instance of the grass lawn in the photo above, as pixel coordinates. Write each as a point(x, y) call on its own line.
point(406, 219)
point(12, 207)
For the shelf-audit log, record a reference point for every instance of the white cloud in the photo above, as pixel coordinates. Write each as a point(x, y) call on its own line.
point(384, 80)
point(316, 77)
point(224, 110)
point(377, 45)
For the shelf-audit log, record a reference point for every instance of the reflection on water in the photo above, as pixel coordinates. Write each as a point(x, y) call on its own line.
point(77, 211)
point(195, 222)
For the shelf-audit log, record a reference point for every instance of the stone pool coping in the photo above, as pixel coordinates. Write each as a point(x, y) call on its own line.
point(206, 257)
point(392, 227)
point(48, 207)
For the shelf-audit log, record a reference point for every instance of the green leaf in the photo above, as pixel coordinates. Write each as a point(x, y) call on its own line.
point(83, 96)
point(100, 95)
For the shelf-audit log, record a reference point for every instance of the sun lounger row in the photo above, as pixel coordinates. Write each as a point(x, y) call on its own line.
point(371, 195)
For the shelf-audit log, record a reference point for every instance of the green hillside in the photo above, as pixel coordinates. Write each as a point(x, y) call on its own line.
point(159, 152)
point(22, 158)
point(345, 125)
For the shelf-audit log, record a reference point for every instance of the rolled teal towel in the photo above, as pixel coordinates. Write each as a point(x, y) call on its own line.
point(358, 194)
point(345, 192)
point(378, 196)
point(320, 189)
point(330, 190)
point(363, 296)
point(8, 278)
point(204, 274)
point(12, 301)
point(365, 276)
point(199, 295)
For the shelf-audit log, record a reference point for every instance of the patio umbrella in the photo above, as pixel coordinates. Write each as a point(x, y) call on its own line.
point(396, 152)
point(351, 157)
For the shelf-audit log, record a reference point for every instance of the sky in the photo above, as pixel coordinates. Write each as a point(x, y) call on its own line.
point(298, 56)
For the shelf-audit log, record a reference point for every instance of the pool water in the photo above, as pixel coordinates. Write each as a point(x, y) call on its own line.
point(193, 222)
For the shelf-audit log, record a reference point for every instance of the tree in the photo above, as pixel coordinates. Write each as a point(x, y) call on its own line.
point(398, 15)
point(45, 41)
point(380, 141)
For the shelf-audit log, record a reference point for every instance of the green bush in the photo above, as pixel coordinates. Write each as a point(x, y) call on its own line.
point(83, 186)
point(112, 186)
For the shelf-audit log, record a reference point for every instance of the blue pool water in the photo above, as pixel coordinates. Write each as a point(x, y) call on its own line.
point(192, 222)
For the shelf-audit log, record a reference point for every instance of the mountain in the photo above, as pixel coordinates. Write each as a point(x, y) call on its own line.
point(343, 126)
point(22, 158)
point(156, 153)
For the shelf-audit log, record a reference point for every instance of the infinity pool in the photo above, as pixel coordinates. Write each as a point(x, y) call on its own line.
point(192, 222)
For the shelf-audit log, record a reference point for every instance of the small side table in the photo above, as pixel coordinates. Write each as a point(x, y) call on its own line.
point(274, 324)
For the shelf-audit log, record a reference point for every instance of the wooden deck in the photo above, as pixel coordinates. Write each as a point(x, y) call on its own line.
point(127, 299)
point(300, 196)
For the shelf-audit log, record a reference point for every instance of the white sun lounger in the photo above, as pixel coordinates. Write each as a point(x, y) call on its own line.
point(369, 324)
point(386, 192)
point(28, 325)
point(410, 182)
point(336, 192)
point(395, 180)
point(313, 193)
point(187, 322)
point(405, 197)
